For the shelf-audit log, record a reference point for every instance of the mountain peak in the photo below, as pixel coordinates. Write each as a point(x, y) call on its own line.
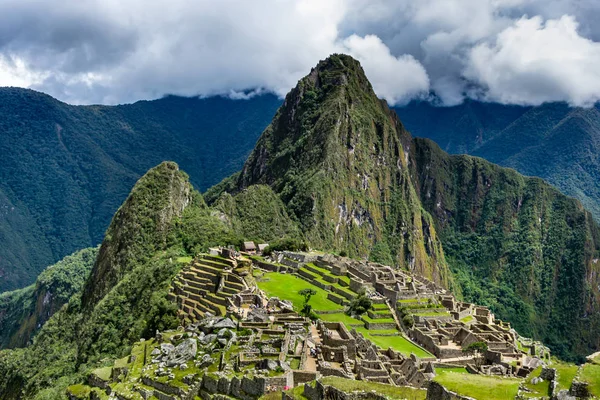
point(339, 70)
point(140, 227)
point(335, 154)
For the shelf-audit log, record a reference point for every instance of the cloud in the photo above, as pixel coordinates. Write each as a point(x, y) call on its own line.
point(533, 62)
point(114, 51)
point(396, 79)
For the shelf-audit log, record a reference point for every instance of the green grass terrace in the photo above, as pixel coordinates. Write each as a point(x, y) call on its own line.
point(479, 387)
point(286, 286)
point(390, 392)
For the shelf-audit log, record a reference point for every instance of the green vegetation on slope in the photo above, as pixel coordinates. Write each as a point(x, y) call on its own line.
point(335, 155)
point(258, 214)
point(590, 373)
point(125, 295)
point(24, 311)
point(553, 141)
point(65, 169)
point(516, 244)
point(391, 392)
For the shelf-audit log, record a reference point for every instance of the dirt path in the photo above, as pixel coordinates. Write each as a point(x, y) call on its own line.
point(311, 362)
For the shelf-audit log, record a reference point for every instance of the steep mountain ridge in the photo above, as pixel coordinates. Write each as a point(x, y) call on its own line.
point(65, 169)
point(140, 227)
point(337, 157)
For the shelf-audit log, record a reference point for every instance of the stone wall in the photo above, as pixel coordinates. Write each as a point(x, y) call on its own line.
point(435, 391)
point(302, 377)
point(579, 390)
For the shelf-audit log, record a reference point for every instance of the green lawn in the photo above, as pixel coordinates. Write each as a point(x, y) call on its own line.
point(398, 343)
point(342, 317)
point(460, 370)
point(286, 286)
point(325, 271)
point(541, 389)
point(103, 373)
point(590, 373)
point(379, 320)
point(391, 392)
point(566, 373)
point(381, 306)
point(479, 386)
point(432, 314)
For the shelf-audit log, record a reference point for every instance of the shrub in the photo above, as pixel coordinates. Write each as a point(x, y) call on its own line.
point(408, 321)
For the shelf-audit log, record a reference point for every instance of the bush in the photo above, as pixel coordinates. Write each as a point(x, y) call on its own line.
point(286, 244)
point(408, 321)
point(359, 305)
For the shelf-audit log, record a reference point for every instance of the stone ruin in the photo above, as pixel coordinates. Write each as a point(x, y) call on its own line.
point(263, 345)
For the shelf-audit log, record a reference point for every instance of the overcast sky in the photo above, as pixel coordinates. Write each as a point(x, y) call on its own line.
point(117, 51)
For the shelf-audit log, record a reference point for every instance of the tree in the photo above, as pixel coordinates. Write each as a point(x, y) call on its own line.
point(475, 349)
point(359, 305)
point(307, 294)
point(381, 254)
point(408, 321)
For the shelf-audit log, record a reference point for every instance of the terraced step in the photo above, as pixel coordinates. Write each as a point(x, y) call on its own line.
point(229, 291)
point(220, 260)
point(315, 270)
point(380, 314)
point(206, 268)
point(197, 297)
point(202, 285)
point(234, 285)
point(337, 299)
point(215, 298)
point(349, 295)
point(208, 275)
point(197, 305)
point(213, 264)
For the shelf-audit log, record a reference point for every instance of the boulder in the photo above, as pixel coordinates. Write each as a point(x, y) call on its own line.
point(166, 348)
point(225, 323)
point(206, 361)
point(208, 339)
point(272, 365)
point(182, 353)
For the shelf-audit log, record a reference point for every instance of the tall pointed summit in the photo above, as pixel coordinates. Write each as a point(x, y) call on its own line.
point(338, 158)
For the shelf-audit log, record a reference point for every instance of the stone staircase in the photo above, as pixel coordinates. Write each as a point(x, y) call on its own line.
point(205, 286)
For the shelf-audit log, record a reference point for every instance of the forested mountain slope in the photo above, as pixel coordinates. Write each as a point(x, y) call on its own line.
point(553, 141)
point(65, 169)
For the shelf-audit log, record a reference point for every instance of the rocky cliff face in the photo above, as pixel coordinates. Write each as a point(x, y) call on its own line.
point(23, 312)
point(139, 228)
point(338, 158)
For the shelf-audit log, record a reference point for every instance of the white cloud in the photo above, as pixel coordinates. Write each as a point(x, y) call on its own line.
point(112, 51)
point(14, 72)
point(533, 62)
point(396, 79)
